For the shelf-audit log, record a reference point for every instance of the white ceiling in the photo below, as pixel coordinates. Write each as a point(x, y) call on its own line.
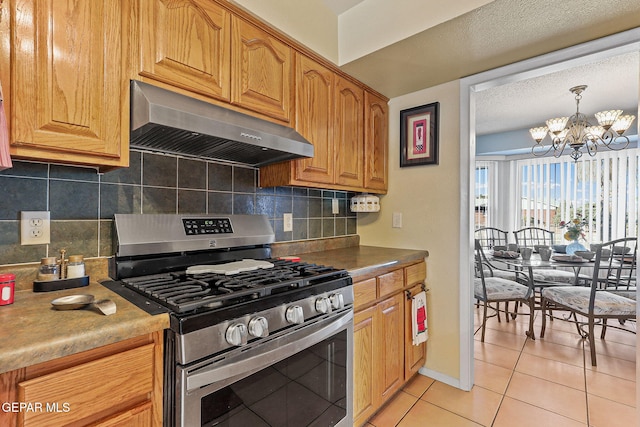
point(340, 6)
point(612, 84)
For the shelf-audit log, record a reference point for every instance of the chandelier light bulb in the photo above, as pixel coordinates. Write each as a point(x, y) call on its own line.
point(539, 133)
point(607, 118)
point(557, 125)
point(622, 123)
point(594, 132)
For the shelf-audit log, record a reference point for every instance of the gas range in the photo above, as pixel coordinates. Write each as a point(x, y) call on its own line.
point(209, 270)
point(237, 317)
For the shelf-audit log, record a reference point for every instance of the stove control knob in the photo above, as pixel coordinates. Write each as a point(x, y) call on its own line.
point(337, 301)
point(294, 314)
point(258, 327)
point(236, 334)
point(323, 305)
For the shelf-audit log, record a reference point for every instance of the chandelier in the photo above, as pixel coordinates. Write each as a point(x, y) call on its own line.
point(577, 134)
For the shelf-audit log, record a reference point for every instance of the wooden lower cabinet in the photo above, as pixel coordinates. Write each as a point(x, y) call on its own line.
point(365, 341)
point(414, 355)
point(116, 385)
point(391, 350)
point(384, 355)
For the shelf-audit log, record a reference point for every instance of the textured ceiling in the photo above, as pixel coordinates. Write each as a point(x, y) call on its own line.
point(497, 34)
point(612, 84)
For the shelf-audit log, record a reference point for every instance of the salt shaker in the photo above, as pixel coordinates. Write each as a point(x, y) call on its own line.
point(75, 266)
point(48, 269)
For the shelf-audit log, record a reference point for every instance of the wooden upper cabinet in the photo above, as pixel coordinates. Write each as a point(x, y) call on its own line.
point(376, 134)
point(262, 71)
point(314, 119)
point(349, 129)
point(186, 44)
point(68, 100)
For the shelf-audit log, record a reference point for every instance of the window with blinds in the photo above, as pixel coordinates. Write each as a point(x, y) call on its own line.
point(601, 189)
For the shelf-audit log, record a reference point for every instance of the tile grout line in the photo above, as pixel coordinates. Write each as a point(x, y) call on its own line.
point(584, 370)
point(509, 382)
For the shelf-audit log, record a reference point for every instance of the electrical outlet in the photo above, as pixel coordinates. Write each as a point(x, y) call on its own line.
point(397, 220)
point(335, 207)
point(288, 222)
point(35, 228)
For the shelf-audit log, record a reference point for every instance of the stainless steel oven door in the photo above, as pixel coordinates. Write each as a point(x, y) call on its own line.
point(302, 376)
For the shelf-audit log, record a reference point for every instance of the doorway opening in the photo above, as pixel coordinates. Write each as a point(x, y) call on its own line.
point(597, 50)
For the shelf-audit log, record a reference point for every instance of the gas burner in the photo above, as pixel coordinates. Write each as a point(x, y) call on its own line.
point(182, 292)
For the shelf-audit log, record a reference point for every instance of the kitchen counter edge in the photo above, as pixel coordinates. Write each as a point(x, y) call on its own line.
point(364, 262)
point(34, 332)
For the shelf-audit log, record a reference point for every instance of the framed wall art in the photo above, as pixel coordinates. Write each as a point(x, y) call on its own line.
point(419, 135)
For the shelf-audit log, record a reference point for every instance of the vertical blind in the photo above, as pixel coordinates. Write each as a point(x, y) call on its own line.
point(603, 190)
point(485, 192)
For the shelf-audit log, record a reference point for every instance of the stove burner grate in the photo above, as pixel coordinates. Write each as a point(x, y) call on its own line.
point(183, 293)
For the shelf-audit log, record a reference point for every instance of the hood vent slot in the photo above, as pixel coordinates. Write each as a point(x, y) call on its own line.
point(169, 122)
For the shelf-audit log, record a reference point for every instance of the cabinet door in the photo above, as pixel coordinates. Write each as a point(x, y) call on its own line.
point(349, 134)
point(68, 95)
point(92, 388)
point(314, 119)
point(376, 135)
point(365, 367)
point(414, 355)
point(185, 44)
point(261, 71)
point(391, 348)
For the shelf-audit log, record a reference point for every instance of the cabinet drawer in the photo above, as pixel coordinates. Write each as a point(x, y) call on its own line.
point(415, 273)
point(364, 292)
point(390, 282)
point(90, 388)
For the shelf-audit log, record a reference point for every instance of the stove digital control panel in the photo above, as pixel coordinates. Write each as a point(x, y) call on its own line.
point(197, 226)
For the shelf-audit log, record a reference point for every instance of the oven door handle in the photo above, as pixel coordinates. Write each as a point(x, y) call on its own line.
point(266, 354)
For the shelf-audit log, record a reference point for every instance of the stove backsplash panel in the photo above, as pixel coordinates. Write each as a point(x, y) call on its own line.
point(82, 201)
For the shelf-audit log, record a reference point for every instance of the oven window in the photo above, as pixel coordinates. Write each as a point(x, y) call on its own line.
point(306, 389)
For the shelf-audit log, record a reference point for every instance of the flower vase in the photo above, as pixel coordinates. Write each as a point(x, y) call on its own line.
point(575, 246)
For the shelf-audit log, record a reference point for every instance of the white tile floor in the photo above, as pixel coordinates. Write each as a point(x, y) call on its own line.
point(522, 382)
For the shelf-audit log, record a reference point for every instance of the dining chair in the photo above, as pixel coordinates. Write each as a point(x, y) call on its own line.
point(494, 290)
point(491, 237)
point(531, 236)
point(614, 269)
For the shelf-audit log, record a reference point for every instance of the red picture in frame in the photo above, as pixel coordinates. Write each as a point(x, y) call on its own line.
point(419, 135)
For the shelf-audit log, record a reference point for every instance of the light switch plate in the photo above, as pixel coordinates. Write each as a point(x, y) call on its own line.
point(397, 220)
point(335, 207)
point(35, 228)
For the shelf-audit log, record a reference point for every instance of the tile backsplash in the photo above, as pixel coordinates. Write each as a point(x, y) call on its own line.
point(82, 202)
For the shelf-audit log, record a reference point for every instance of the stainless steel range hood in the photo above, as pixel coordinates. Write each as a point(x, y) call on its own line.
point(169, 122)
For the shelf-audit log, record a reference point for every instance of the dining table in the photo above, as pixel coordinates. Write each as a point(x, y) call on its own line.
point(514, 260)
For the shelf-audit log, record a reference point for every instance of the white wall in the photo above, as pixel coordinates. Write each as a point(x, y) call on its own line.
point(309, 22)
point(428, 198)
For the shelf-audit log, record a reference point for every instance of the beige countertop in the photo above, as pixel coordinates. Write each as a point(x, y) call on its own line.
point(363, 262)
point(33, 332)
